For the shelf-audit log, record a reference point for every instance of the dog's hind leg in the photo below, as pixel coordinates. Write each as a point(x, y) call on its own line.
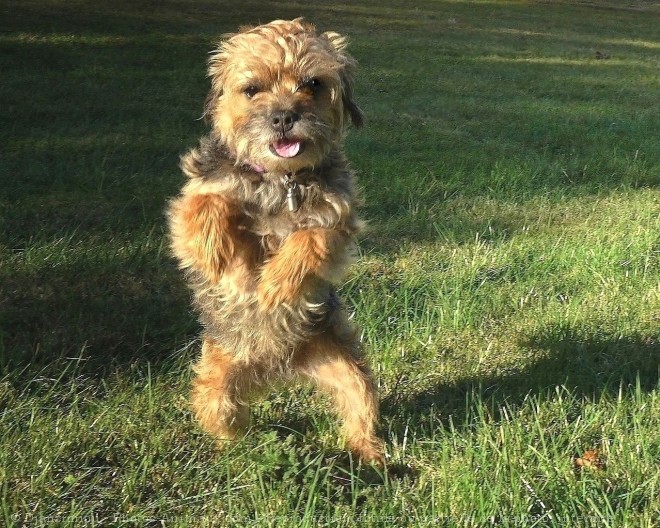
point(219, 392)
point(336, 366)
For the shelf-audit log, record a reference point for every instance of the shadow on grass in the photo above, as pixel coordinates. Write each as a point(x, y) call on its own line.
point(107, 315)
point(586, 365)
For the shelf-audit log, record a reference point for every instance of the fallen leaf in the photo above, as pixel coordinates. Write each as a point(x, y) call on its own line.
point(589, 459)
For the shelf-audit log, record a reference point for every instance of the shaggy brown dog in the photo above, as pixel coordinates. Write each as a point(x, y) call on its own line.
point(264, 226)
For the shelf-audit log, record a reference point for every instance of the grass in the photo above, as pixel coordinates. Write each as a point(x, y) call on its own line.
point(508, 290)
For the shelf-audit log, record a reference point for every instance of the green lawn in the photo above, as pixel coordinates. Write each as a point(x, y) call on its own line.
point(508, 288)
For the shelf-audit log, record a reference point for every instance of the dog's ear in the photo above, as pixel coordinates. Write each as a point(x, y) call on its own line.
point(346, 73)
point(209, 104)
point(216, 72)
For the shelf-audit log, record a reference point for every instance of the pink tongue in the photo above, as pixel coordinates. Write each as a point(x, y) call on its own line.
point(287, 149)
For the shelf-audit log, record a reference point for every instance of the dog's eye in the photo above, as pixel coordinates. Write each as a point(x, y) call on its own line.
point(251, 91)
point(312, 85)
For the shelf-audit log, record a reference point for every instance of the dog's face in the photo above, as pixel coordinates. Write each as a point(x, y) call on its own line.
point(281, 95)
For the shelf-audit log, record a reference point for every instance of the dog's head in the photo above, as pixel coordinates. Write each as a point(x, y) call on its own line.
point(281, 94)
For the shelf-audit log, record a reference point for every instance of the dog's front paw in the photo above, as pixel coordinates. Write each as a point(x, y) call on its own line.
point(276, 289)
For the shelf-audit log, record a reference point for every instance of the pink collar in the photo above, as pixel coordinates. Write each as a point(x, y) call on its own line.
point(256, 168)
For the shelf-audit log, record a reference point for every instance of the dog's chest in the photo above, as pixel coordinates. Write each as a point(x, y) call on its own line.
point(278, 210)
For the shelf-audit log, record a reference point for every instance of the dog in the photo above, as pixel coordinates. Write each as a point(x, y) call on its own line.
point(264, 228)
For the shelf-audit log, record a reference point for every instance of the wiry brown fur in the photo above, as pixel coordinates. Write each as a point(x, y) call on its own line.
point(262, 276)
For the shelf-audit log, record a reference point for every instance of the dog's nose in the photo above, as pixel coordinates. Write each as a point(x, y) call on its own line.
point(283, 121)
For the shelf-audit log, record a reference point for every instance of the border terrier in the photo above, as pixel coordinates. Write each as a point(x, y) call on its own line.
point(264, 228)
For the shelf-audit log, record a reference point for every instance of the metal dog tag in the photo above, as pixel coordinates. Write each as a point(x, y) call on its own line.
point(292, 203)
point(292, 199)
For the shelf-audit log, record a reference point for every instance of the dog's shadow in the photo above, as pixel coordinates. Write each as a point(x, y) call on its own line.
point(293, 457)
point(295, 432)
point(586, 366)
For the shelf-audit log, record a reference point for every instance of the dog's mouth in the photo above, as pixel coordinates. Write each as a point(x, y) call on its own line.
point(287, 148)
